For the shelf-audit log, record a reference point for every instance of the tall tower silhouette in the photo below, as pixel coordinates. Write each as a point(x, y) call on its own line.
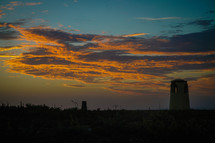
point(179, 95)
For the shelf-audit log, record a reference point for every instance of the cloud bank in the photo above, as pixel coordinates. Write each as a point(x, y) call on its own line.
point(122, 64)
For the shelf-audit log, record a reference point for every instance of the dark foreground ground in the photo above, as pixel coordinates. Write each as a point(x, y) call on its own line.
point(43, 124)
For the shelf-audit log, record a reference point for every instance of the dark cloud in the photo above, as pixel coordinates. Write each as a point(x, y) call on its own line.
point(38, 51)
point(196, 66)
point(53, 34)
point(62, 36)
point(18, 22)
point(194, 42)
point(179, 25)
point(112, 55)
point(211, 11)
point(203, 23)
point(75, 85)
point(8, 34)
point(45, 60)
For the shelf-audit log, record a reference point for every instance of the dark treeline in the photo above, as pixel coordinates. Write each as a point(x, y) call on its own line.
point(40, 123)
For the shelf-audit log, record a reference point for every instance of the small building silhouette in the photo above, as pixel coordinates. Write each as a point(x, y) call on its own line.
point(84, 106)
point(179, 95)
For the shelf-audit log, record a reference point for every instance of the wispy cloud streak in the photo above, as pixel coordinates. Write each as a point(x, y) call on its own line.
point(156, 19)
point(33, 3)
point(136, 34)
point(74, 85)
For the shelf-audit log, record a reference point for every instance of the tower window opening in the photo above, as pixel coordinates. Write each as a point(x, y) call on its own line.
point(176, 89)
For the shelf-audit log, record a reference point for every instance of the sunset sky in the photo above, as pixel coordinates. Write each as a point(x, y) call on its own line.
point(111, 53)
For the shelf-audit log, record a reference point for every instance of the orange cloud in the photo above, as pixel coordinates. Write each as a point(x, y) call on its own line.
point(33, 3)
point(44, 11)
point(29, 36)
point(8, 56)
point(60, 63)
point(1, 13)
point(9, 48)
point(11, 5)
point(3, 25)
point(60, 25)
point(63, 64)
point(136, 34)
point(203, 86)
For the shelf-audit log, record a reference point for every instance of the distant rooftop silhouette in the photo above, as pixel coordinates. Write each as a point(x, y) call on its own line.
point(84, 106)
point(178, 80)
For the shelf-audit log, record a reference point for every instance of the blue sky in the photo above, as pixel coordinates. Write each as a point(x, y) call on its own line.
point(115, 17)
point(106, 51)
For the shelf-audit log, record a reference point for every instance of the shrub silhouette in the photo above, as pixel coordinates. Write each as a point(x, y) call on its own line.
point(40, 123)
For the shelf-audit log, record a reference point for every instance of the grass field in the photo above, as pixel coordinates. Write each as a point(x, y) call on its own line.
point(40, 123)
